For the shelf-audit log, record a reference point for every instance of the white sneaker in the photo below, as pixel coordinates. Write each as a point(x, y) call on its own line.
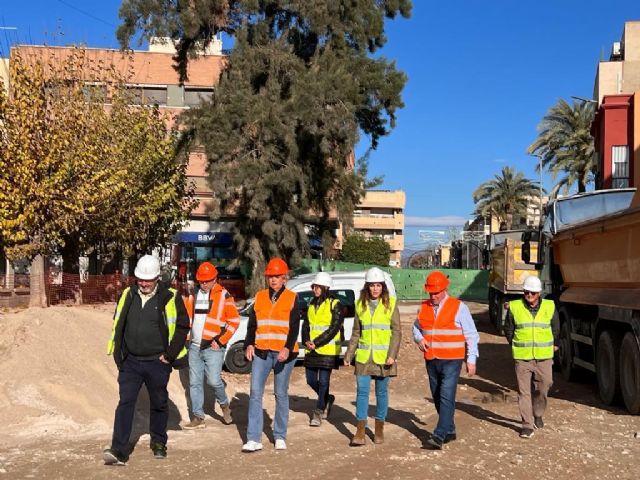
point(281, 444)
point(252, 446)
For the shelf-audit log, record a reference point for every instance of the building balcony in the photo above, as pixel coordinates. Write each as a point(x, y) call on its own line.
point(379, 222)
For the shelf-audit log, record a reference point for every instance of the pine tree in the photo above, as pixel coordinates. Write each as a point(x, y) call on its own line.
point(299, 87)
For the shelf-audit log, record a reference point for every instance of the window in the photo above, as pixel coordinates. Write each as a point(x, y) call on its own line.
point(620, 166)
point(194, 96)
point(148, 95)
point(347, 300)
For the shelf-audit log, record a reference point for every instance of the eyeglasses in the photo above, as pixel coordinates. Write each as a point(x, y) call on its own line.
point(527, 292)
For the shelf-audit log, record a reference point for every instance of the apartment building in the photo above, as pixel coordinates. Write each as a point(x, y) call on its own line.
point(381, 214)
point(616, 127)
point(621, 73)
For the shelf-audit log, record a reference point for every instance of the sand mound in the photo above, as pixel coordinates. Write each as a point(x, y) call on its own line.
point(57, 378)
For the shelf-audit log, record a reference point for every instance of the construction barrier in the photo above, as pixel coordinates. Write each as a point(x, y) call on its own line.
point(409, 282)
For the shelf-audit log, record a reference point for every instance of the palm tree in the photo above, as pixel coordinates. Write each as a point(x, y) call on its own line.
point(565, 145)
point(508, 194)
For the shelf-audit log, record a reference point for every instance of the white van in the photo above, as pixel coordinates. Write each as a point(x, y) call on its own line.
point(346, 288)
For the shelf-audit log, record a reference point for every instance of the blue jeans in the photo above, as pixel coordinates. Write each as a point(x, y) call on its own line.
point(362, 397)
point(318, 379)
point(260, 370)
point(155, 375)
point(443, 380)
point(205, 362)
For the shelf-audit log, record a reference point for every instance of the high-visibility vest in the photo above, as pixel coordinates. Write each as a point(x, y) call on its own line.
point(320, 321)
point(444, 338)
point(532, 337)
point(273, 320)
point(375, 332)
point(170, 317)
point(222, 315)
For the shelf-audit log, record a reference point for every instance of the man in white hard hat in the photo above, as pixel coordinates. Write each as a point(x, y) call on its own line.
point(532, 329)
point(150, 328)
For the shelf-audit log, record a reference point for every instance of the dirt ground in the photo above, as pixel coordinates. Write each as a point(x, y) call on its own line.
point(58, 394)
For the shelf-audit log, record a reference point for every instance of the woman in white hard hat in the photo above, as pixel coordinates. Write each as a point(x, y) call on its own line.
point(322, 337)
point(375, 342)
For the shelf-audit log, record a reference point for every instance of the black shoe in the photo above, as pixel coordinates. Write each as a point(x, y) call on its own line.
point(450, 437)
point(111, 456)
point(537, 422)
point(526, 433)
point(159, 450)
point(434, 443)
point(327, 410)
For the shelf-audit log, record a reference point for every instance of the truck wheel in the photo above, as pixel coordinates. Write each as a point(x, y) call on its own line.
point(492, 310)
point(608, 367)
point(565, 353)
point(630, 373)
point(495, 309)
point(235, 360)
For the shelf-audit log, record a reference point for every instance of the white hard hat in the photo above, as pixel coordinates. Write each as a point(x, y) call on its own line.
point(147, 268)
point(323, 279)
point(374, 275)
point(532, 284)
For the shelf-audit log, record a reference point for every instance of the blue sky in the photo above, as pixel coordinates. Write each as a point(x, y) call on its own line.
point(481, 76)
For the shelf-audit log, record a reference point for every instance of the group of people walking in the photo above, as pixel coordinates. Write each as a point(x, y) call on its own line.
point(155, 330)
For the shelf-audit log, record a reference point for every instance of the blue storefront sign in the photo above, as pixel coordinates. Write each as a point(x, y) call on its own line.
point(209, 238)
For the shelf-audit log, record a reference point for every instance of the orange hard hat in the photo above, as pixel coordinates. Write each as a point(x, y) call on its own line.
point(276, 266)
point(436, 282)
point(206, 272)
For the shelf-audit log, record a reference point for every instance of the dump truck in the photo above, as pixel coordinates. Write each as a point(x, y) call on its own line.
point(507, 272)
point(588, 254)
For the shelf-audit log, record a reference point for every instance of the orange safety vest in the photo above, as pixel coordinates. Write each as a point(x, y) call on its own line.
point(444, 338)
point(273, 320)
point(222, 318)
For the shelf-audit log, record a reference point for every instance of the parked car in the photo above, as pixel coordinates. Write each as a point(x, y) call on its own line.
point(346, 288)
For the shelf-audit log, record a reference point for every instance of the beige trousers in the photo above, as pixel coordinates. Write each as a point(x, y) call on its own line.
point(535, 378)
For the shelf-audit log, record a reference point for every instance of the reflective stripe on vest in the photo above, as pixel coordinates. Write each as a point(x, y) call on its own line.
point(444, 338)
point(532, 337)
point(273, 320)
point(319, 322)
point(170, 315)
point(375, 332)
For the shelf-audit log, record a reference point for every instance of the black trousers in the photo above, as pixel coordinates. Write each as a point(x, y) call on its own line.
point(155, 376)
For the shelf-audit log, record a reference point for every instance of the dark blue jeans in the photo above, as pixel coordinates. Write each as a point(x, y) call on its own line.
point(443, 380)
point(155, 376)
point(318, 379)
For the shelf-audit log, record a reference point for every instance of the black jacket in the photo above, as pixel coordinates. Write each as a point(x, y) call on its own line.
point(172, 350)
point(316, 360)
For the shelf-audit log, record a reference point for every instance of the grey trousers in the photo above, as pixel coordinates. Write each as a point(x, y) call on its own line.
point(535, 378)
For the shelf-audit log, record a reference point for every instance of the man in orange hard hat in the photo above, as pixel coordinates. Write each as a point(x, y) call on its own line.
point(271, 343)
point(214, 319)
point(445, 333)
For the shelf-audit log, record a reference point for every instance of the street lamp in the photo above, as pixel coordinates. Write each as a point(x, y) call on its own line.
point(582, 99)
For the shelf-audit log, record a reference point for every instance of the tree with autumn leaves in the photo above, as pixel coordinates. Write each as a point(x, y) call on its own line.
point(81, 166)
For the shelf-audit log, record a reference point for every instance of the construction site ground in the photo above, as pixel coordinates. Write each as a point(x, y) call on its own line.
point(59, 391)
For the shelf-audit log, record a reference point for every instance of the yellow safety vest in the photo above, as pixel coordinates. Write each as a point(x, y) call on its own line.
point(375, 332)
point(533, 337)
point(171, 315)
point(320, 321)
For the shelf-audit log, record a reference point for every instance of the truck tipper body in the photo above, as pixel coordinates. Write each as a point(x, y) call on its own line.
point(507, 272)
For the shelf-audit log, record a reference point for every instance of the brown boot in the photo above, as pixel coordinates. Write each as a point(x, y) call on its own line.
point(379, 432)
point(226, 414)
point(359, 439)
